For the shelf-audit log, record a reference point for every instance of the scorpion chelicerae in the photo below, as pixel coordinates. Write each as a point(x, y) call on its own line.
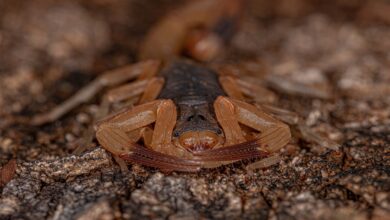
point(187, 115)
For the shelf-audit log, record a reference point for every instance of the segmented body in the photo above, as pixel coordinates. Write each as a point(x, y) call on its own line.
point(193, 88)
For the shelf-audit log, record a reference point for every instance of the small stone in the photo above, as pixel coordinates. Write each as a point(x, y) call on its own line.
point(324, 174)
point(83, 118)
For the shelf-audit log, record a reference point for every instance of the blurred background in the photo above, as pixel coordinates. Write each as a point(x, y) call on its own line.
point(55, 47)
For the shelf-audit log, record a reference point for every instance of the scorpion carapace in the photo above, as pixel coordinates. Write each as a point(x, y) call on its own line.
point(186, 116)
point(193, 88)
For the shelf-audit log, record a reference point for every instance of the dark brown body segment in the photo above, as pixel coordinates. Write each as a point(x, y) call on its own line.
point(193, 88)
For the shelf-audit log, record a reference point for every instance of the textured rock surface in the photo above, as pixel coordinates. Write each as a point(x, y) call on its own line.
point(343, 45)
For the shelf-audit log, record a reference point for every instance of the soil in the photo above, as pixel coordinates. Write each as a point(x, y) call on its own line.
point(51, 49)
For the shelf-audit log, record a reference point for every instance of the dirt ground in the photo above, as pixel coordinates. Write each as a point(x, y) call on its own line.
point(50, 49)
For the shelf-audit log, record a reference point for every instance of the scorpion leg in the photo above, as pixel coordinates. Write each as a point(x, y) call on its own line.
point(229, 114)
point(115, 135)
point(231, 153)
point(126, 91)
point(253, 117)
point(284, 115)
point(289, 86)
point(161, 158)
point(310, 135)
point(161, 153)
point(110, 78)
point(274, 134)
point(149, 90)
point(230, 86)
point(148, 157)
point(116, 95)
point(162, 136)
point(165, 122)
point(237, 88)
point(225, 113)
point(112, 135)
point(136, 135)
point(111, 132)
point(108, 100)
point(227, 119)
point(127, 95)
point(255, 91)
point(299, 125)
point(152, 90)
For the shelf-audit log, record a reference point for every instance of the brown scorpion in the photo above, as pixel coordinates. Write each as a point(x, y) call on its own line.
point(187, 116)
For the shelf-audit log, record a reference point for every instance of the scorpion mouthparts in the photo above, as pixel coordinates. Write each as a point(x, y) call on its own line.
point(196, 141)
point(198, 148)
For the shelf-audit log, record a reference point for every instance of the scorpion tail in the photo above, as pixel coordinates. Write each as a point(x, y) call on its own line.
point(198, 29)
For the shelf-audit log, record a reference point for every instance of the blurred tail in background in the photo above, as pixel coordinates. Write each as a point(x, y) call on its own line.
point(199, 30)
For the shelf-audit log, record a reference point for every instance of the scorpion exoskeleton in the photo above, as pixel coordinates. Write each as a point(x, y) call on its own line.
point(187, 116)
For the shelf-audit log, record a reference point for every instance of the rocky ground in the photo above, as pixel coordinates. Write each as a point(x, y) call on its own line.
point(49, 50)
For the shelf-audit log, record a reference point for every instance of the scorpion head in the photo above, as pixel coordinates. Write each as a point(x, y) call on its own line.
point(196, 141)
point(196, 129)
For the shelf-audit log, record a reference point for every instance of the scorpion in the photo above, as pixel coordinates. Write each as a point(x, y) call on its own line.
point(186, 115)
